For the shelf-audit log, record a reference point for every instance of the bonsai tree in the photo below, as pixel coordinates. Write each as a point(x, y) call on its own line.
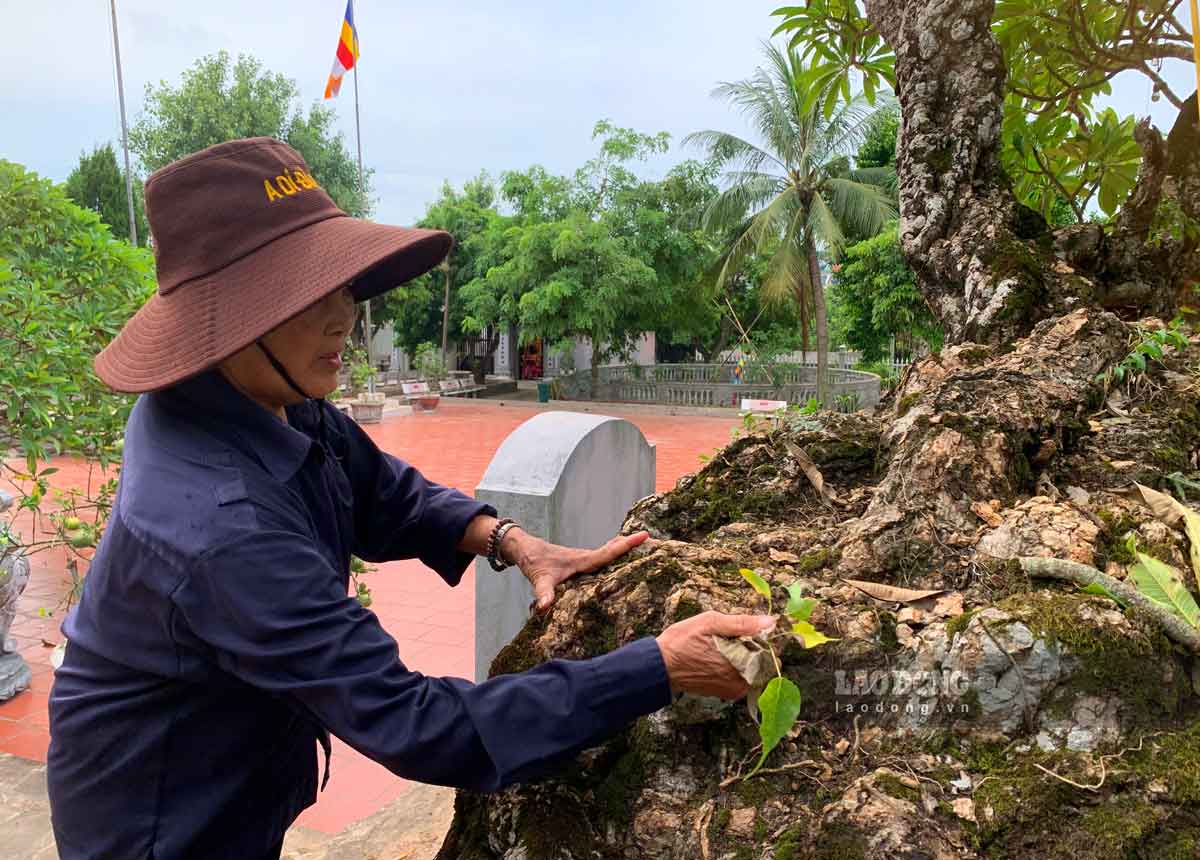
point(361, 371)
point(429, 362)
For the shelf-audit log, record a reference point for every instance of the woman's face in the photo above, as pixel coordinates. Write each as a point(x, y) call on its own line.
point(309, 346)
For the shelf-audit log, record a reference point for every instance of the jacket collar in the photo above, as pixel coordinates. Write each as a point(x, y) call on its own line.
point(211, 400)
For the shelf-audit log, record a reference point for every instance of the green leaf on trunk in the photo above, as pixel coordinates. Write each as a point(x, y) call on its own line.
point(1100, 591)
point(757, 582)
point(799, 607)
point(779, 705)
point(809, 635)
point(1164, 585)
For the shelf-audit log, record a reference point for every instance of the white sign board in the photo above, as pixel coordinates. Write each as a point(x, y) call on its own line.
point(763, 405)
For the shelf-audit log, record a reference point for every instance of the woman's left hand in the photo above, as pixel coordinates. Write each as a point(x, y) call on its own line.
point(546, 565)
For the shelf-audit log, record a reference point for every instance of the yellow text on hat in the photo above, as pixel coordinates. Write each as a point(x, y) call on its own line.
point(287, 183)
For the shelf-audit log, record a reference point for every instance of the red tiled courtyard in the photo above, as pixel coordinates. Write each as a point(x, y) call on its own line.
point(433, 624)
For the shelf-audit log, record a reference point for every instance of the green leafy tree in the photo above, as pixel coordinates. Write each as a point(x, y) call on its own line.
point(99, 184)
point(66, 288)
point(796, 192)
point(219, 100)
point(603, 255)
point(587, 283)
point(873, 297)
point(415, 309)
point(879, 143)
point(1060, 56)
point(662, 221)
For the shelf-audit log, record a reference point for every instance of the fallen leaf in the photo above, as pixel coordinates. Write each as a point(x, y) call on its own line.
point(753, 661)
point(1171, 511)
point(1122, 464)
point(811, 472)
point(987, 513)
point(841, 746)
point(892, 593)
point(783, 557)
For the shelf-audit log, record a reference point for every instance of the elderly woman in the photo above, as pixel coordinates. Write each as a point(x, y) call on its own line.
point(215, 646)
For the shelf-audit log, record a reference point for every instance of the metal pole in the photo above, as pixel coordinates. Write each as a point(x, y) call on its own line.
point(124, 129)
point(1196, 43)
point(362, 189)
point(445, 267)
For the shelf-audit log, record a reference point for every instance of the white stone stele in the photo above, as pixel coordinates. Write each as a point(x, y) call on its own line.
point(569, 478)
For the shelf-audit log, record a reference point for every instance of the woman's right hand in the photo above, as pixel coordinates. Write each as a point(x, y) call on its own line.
point(694, 665)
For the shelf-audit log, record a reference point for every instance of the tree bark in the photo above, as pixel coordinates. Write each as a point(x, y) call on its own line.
point(989, 267)
point(818, 297)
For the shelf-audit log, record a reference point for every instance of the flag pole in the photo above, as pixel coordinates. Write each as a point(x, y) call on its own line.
point(362, 189)
point(133, 238)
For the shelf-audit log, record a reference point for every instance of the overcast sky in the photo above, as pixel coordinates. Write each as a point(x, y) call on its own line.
point(446, 90)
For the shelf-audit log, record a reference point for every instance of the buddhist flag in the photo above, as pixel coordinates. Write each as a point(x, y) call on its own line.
point(347, 53)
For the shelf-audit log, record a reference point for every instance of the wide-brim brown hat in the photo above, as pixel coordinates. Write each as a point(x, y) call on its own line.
point(245, 238)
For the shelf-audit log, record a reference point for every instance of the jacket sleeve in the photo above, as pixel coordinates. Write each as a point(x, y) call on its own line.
point(398, 513)
point(277, 617)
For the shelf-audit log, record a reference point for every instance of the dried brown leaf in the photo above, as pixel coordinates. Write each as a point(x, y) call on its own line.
point(893, 593)
point(811, 472)
point(753, 661)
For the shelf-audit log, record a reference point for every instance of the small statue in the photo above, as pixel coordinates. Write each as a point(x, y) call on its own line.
point(14, 576)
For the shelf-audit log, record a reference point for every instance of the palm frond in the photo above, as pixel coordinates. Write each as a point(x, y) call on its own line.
point(880, 177)
point(740, 201)
point(759, 229)
point(728, 148)
point(824, 226)
point(858, 206)
point(788, 267)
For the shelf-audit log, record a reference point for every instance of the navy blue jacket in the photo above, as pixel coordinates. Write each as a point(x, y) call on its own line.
point(214, 643)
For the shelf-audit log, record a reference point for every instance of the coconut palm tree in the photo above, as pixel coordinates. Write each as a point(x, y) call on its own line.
point(796, 192)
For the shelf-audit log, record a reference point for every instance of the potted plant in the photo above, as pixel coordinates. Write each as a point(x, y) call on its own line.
point(430, 363)
point(366, 407)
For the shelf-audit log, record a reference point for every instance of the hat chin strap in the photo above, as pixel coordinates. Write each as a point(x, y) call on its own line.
point(282, 371)
point(287, 377)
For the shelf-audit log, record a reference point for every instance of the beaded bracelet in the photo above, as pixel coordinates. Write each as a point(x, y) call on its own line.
point(493, 546)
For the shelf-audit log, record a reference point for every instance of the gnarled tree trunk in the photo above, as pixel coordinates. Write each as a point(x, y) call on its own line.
point(1052, 723)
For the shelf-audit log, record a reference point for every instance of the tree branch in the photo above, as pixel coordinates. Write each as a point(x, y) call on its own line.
point(1069, 197)
point(1162, 86)
point(1084, 575)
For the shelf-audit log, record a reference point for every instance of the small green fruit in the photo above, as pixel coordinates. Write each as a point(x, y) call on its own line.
point(83, 540)
point(70, 524)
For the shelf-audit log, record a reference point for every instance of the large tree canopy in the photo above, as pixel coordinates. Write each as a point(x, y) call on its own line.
point(415, 309)
point(1060, 56)
point(218, 100)
point(603, 255)
point(99, 184)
